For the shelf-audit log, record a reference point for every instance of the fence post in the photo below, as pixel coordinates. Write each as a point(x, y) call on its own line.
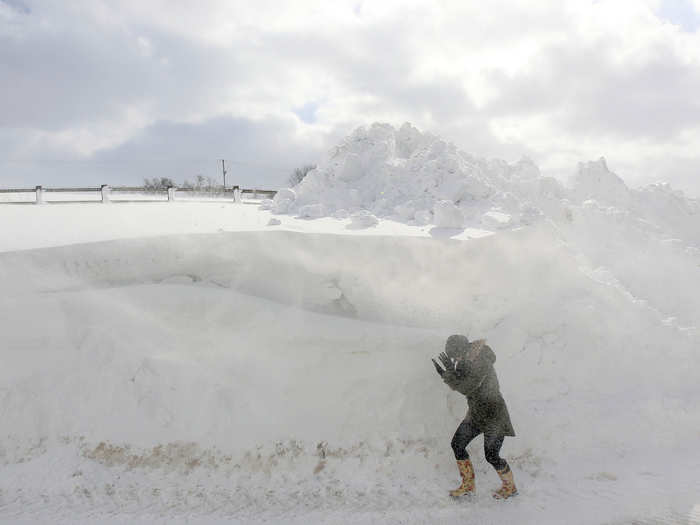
point(39, 195)
point(105, 190)
point(171, 194)
point(255, 194)
point(236, 194)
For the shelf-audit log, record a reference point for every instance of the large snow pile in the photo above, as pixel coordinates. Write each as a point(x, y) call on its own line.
point(412, 177)
point(647, 239)
point(419, 179)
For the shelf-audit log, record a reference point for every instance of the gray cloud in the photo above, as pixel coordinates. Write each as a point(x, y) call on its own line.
point(119, 91)
point(84, 73)
point(261, 154)
point(585, 92)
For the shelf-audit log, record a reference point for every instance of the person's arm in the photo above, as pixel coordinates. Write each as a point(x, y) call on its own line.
point(466, 375)
point(450, 378)
point(450, 375)
point(472, 380)
point(465, 378)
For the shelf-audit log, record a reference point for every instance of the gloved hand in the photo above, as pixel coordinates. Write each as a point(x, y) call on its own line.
point(450, 379)
point(460, 366)
point(438, 368)
point(447, 363)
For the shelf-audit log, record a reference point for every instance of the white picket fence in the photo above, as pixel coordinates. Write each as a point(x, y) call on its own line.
point(107, 194)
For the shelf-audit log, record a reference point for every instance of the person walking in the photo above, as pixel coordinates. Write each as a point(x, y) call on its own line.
point(467, 367)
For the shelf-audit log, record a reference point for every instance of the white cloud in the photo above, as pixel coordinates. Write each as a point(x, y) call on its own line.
point(559, 80)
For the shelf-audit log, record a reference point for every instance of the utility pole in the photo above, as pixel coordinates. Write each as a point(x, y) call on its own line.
point(223, 169)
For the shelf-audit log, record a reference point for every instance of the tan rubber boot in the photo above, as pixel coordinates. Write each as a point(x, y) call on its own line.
point(467, 472)
point(508, 489)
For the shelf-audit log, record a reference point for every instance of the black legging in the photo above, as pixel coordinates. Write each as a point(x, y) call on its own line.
point(466, 431)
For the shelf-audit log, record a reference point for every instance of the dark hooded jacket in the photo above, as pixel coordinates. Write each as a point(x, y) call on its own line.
point(476, 378)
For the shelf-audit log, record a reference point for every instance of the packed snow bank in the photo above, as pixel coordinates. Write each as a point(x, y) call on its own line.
point(227, 364)
point(647, 239)
point(418, 178)
point(409, 176)
point(67, 224)
point(593, 180)
point(657, 208)
point(301, 362)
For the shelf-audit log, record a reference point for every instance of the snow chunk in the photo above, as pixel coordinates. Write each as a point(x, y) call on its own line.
point(285, 194)
point(407, 175)
point(312, 211)
point(496, 219)
point(363, 219)
point(284, 200)
point(282, 206)
point(274, 222)
point(447, 215)
point(418, 178)
point(594, 181)
point(405, 211)
point(423, 217)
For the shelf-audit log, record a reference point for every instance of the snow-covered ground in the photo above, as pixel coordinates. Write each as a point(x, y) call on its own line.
point(194, 363)
point(30, 226)
point(285, 376)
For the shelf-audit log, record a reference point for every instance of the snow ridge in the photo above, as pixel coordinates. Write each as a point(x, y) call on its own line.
point(418, 178)
point(647, 238)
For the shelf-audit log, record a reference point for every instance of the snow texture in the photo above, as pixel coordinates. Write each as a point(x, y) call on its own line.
point(363, 219)
point(418, 178)
point(186, 363)
point(447, 215)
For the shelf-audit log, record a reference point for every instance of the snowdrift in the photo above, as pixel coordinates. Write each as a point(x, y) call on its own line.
point(419, 178)
point(648, 239)
point(407, 175)
point(302, 361)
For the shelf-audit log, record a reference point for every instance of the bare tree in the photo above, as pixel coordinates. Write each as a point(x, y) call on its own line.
point(154, 184)
point(203, 184)
point(299, 173)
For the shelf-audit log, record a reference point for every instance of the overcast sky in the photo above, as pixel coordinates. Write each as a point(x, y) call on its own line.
point(95, 91)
